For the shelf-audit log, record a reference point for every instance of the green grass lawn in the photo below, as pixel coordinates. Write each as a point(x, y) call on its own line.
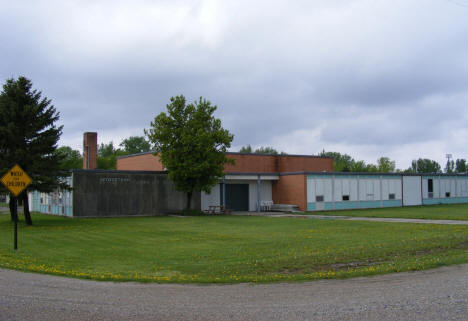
point(226, 249)
point(433, 212)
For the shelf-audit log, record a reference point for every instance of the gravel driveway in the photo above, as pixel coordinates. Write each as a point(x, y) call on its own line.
point(438, 294)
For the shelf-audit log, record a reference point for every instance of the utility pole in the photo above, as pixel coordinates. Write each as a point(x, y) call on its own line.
point(449, 156)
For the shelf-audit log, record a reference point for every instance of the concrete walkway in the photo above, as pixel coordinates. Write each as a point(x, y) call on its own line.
point(352, 218)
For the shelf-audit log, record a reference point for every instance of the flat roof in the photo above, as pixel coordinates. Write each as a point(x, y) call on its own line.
point(238, 153)
point(373, 174)
point(116, 171)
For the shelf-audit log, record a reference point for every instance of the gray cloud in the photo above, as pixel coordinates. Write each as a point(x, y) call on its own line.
point(373, 76)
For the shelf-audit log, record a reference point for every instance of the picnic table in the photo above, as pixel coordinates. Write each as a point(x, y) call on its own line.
point(218, 209)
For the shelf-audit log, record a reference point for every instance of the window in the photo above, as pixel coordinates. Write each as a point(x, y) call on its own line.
point(319, 198)
point(391, 196)
point(447, 194)
point(430, 185)
point(345, 197)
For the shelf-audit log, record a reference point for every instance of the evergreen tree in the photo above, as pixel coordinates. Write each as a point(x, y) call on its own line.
point(28, 137)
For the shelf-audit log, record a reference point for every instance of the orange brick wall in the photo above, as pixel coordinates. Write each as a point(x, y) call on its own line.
point(248, 163)
point(245, 163)
point(291, 189)
point(304, 164)
point(90, 146)
point(144, 162)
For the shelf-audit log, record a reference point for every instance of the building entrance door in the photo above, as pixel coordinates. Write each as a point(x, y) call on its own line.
point(237, 197)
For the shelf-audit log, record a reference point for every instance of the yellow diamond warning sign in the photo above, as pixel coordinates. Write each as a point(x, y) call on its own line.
point(16, 180)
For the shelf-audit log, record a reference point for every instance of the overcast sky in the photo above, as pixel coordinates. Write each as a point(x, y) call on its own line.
point(369, 78)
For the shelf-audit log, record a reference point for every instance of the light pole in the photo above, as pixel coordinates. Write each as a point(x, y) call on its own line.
point(449, 156)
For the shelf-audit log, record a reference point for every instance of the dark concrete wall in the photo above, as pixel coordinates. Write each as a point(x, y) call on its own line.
point(123, 193)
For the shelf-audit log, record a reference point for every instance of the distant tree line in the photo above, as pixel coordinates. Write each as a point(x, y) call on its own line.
point(107, 153)
point(261, 150)
point(346, 163)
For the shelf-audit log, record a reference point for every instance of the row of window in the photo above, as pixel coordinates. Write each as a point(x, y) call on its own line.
point(430, 189)
point(431, 194)
point(320, 198)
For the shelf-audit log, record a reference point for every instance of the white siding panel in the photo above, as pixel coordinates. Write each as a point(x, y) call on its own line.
point(362, 189)
point(338, 190)
point(211, 199)
point(266, 193)
point(310, 190)
point(319, 186)
point(345, 187)
point(385, 189)
point(377, 189)
point(328, 190)
point(463, 187)
point(394, 187)
point(425, 186)
point(444, 186)
point(412, 190)
point(353, 186)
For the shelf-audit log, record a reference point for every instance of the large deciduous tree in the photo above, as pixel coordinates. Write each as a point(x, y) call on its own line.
point(346, 163)
point(107, 156)
point(449, 167)
point(424, 166)
point(341, 162)
point(71, 158)
point(135, 145)
point(460, 165)
point(28, 137)
point(385, 165)
point(191, 144)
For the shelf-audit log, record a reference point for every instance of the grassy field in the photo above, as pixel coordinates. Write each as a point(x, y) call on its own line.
point(433, 212)
point(226, 249)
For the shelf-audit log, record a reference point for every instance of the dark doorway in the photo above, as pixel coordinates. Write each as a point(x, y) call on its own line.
point(430, 185)
point(237, 197)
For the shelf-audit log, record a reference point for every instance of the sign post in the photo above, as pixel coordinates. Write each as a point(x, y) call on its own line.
point(16, 180)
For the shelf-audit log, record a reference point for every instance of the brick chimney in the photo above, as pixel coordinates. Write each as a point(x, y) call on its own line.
point(89, 150)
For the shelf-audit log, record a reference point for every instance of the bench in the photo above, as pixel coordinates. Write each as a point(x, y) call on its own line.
point(218, 209)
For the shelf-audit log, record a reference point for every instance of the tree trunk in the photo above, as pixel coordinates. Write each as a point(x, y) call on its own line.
point(13, 208)
point(27, 214)
point(189, 200)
